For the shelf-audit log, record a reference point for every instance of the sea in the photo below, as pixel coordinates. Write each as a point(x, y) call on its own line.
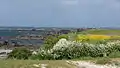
point(6, 35)
point(7, 32)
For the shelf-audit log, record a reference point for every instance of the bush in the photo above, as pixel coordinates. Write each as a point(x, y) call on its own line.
point(64, 49)
point(20, 53)
point(51, 40)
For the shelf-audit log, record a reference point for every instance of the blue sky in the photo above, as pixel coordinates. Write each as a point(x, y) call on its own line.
point(60, 13)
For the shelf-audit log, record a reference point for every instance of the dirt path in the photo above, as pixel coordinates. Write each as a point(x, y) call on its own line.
point(85, 64)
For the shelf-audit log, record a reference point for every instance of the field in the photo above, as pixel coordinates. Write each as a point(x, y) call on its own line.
point(34, 64)
point(97, 35)
point(102, 31)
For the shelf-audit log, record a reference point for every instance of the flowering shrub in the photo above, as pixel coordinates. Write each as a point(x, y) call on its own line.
point(64, 49)
point(49, 41)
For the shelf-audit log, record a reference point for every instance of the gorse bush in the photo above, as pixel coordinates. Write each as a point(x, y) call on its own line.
point(64, 49)
point(20, 53)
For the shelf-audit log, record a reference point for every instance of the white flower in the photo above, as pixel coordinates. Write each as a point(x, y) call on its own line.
point(61, 44)
point(34, 53)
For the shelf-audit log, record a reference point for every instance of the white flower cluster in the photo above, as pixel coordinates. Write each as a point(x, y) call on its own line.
point(61, 44)
point(71, 49)
point(117, 42)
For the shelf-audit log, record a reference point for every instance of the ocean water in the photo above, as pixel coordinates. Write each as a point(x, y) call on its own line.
point(27, 42)
point(9, 33)
point(6, 34)
point(16, 32)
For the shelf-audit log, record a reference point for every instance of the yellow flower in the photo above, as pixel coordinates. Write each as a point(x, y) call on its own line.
point(98, 37)
point(92, 37)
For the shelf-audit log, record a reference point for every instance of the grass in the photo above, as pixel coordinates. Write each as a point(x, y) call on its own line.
point(114, 34)
point(53, 63)
point(103, 61)
point(102, 31)
point(96, 35)
point(30, 64)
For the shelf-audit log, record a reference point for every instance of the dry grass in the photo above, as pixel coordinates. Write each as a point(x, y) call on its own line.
point(33, 63)
point(50, 63)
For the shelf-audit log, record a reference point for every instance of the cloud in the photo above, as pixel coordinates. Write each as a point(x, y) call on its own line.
point(70, 2)
point(115, 4)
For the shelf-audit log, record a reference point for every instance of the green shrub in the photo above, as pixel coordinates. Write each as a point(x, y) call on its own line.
point(20, 53)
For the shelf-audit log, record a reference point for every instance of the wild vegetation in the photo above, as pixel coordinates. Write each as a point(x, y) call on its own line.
point(71, 50)
point(20, 53)
point(75, 46)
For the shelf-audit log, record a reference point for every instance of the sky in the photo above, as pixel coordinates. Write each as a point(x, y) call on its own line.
point(60, 13)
